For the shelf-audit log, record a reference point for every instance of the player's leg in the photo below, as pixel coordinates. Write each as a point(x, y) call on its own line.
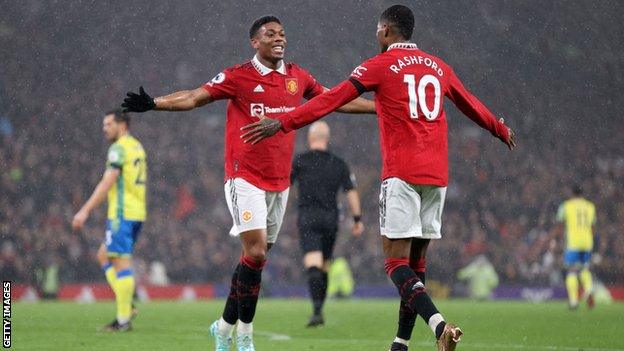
point(249, 207)
point(107, 266)
point(407, 317)
point(431, 216)
point(411, 289)
point(571, 260)
point(249, 279)
point(125, 288)
point(107, 256)
point(418, 257)
point(111, 276)
point(572, 287)
point(268, 211)
point(262, 214)
point(585, 277)
point(400, 221)
point(230, 311)
point(242, 200)
point(124, 235)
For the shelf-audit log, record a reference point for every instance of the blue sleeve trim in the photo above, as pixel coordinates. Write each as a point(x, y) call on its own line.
point(124, 273)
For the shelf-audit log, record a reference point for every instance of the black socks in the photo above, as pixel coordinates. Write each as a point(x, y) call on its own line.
point(317, 281)
point(230, 312)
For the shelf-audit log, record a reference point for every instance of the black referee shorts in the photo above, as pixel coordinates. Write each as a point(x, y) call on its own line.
point(317, 231)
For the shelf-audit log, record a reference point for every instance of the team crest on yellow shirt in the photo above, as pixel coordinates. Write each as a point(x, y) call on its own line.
point(291, 85)
point(247, 216)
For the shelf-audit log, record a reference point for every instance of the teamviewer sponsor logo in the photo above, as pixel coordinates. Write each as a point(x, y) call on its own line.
point(256, 110)
point(6, 314)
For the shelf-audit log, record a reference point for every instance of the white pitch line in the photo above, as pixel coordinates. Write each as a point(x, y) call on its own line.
point(273, 336)
point(284, 337)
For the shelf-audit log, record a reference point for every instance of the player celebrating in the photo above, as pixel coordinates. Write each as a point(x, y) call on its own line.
point(408, 85)
point(124, 182)
point(256, 179)
point(321, 175)
point(579, 216)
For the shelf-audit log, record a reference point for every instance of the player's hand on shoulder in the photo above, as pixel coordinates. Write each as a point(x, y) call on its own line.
point(140, 102)
point(260, 130)
point(511, 140)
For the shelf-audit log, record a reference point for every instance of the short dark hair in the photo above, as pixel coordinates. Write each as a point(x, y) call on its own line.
point(577, 189)
point(120, 116)
point(255, 26)
point(400, 17)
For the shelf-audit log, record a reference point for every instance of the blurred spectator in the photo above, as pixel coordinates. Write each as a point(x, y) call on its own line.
point(48, 278)
point(481, 278)
point(158, 274)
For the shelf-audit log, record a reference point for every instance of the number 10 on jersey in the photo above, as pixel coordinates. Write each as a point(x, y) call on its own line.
point(418, 98)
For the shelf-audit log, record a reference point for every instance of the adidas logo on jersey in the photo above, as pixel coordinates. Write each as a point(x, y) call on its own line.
point(258, 89)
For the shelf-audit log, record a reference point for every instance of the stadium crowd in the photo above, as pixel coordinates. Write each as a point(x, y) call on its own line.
point(53, 92)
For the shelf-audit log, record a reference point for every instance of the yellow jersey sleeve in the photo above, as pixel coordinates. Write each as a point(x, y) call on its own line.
point(115, 157)
point(561, 213)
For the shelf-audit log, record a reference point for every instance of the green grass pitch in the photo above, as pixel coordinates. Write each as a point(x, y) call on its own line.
point(351, 325)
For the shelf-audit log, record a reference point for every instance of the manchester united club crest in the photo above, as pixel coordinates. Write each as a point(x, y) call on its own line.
point(292, 86)
point(247, 216)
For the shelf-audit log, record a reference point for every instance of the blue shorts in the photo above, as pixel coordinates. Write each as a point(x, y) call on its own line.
point(121, 235)
point(576, 258)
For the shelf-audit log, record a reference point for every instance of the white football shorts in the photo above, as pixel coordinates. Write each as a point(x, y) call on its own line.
point(253, 208)
point(410, 211)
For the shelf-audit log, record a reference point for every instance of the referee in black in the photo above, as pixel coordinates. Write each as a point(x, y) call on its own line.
point(320, 175)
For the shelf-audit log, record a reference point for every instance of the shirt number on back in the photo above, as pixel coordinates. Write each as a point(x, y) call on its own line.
point(582, 219)
point(418, 98)
point(141, 174)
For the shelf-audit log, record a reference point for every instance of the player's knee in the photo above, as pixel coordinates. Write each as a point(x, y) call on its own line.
point(572, 271)
point(257, 253)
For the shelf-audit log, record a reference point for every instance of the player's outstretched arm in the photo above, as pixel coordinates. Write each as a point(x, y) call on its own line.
point(313, 110)
point(359, 105)
point(476, 111)
point(98, 196)
point(183, 100)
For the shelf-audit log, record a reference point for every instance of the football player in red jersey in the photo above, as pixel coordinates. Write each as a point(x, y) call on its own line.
point(257, 179)
point(409, 85)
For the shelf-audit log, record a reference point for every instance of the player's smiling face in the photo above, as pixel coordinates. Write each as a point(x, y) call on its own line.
point(110, 128)
point(270, 42)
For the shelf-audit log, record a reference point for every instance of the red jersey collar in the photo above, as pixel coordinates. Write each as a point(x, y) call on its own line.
point(264, 70)
point(409, 46)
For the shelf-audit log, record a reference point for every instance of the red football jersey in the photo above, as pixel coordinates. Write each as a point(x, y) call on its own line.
point(253, 88)
point(409, 87)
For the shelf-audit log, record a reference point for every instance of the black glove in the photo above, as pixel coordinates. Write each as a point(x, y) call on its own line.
point(140, 102)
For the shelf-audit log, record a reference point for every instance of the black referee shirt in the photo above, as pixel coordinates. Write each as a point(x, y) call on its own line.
point(320, 175)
